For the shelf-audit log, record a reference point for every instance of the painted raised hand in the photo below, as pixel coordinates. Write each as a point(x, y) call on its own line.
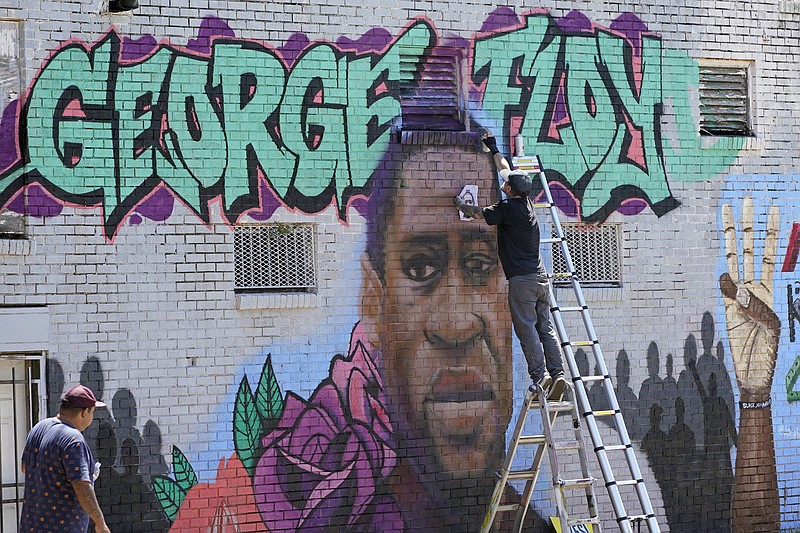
point(753, 327)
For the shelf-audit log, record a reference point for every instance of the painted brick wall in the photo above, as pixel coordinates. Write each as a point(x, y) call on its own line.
point(360, 407)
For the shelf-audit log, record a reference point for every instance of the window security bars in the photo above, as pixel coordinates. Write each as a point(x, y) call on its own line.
point(275, 258)
point(595, 253)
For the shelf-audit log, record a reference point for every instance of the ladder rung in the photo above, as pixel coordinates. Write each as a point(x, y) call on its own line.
point(610, 412)
point(572, 309)
point(549, 240)
point(521, 474)
point(504, 508)
point(582, 521)
point(567, 445)
point(542, 206)
point(593, 378)
point(615, 448)
point(561, 275)
point(531, 439)
point(641, 517)
point(628, 482)
point(582, 343)
point(580, 483)
point(560, 406)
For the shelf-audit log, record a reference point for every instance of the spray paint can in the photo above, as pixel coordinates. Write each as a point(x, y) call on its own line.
point(519, 146)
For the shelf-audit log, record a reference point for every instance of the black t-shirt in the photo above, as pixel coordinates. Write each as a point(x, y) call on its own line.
point(517, 236)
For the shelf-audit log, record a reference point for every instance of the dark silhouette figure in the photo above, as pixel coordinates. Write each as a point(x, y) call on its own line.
point(652, 389)
point(140, 500)
point(654, 443)
point(681, 437)
point(688, 390)
point(715, 464)
point(626, 398)
point(708, 363)
point(107, 486)
point(669, 392)
point(152, 460)
point(55, 387)
point(92, 377)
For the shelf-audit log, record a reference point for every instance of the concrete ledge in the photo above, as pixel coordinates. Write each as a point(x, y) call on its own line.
point(440, 138)
point(291, 300)
point(24, 329)
point(710, 142)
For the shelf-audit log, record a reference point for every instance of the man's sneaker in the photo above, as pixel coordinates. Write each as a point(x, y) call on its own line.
point(543, 383)
point(558, 388)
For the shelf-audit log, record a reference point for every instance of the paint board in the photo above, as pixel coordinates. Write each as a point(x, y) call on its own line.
point(470, 196)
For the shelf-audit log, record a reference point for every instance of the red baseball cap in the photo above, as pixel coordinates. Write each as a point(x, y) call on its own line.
point(83, 397)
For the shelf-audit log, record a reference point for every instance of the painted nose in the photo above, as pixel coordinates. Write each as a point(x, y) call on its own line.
point(461, 331)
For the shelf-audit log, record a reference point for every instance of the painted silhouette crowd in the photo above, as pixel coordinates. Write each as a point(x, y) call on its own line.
point(129, 458)
point(686, 428)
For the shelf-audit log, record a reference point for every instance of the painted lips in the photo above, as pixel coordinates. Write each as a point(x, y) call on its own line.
point(459, 403)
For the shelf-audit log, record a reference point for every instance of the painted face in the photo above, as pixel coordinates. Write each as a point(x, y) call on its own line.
point(442, 321)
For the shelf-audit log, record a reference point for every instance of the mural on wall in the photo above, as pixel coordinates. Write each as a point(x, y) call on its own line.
point(140, 118)
point(379, 444)
point(759, 264)
point(130, 459)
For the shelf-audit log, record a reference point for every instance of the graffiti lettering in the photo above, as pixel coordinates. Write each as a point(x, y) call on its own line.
point(591, 103)
point(97, 130)
point(107, 133)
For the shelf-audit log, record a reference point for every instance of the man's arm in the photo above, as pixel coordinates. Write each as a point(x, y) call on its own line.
point(500, 162)
point(499, 159)
point(88, 501)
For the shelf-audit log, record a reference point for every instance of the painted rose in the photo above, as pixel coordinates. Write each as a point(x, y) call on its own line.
point(324, 466)
point(225, 506)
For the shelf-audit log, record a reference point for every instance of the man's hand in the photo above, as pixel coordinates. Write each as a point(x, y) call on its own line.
point(753, 326)
point(472, 211)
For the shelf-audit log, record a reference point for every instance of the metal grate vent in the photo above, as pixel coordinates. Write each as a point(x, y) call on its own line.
point(275, 257)
point(595, 253)
point(724, 102)
point(430, 88)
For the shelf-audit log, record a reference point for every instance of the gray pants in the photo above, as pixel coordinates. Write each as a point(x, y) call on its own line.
point(529, 302)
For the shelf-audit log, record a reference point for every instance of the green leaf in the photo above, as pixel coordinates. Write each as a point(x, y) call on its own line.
point(184, 473)
point(269, 401)
point(170, 495)
point(247, 428)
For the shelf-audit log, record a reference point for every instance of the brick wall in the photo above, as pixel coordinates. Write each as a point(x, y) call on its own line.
point(212, 391)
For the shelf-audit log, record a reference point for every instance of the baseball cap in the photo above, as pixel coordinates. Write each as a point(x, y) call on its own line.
point(80, 396)
point(519, 181)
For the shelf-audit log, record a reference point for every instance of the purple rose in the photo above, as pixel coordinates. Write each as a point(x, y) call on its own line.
point(325, 464)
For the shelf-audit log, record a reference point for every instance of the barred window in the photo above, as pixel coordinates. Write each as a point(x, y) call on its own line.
point(275, 258)
point(431, 88)
point(595, 254)
point(12, 224)
point(724, 99)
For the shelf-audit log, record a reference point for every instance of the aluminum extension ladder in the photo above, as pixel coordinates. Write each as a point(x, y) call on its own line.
point(579, 399)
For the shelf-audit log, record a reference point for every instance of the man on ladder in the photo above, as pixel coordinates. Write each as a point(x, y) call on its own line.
point(528, 290)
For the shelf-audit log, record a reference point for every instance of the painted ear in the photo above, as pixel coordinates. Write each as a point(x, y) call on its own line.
point(372, 292)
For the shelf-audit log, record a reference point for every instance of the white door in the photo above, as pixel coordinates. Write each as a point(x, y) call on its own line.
point(19, 380)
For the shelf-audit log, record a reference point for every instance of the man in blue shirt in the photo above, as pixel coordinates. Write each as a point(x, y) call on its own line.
point(528, 289)
point(60, 470)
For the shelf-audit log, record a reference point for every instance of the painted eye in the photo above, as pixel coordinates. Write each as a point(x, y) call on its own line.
point(479, 266)
point(421, 268)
